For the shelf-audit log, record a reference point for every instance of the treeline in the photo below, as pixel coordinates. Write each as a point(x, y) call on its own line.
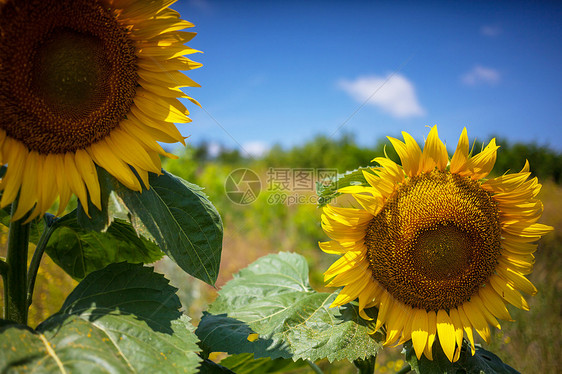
point(344, 154)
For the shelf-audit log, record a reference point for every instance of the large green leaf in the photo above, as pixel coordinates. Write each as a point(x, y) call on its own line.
point(245, 363)
point(272, 297)
point(80, 251)
point(181, 219)
point(483, 361)
point(122, 319)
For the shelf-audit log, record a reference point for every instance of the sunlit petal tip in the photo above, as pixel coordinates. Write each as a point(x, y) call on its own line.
point(460, 157)
point(434, 152)
point(420, 331)
point(446, 333)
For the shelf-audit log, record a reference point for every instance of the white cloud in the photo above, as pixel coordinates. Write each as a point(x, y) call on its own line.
point(255, 148)
point(481, 75)
point(395, 94)
point(489, 30)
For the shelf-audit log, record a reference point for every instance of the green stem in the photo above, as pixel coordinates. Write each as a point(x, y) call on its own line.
point(3, 267)
point(36, 260)
point(405, 369)
point(15, 302)
point(315, 368)
point(3, 270)
point(366, 366)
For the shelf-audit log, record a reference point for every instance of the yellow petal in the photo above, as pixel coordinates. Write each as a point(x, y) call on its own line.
point(75, 180)
point(161, 109)
point(477, 320)
point(446, 333)
point(15, 154)
point(398, 316)
point(165, 131)
point(434, 152)
point(144, 129)
point(151, 28)
point(482, 164)
point(178, 63)
point(384, 307)
point(460, 157)
point(409, 152)
point(349, 293)
point(144, 9)
point(48, 190)
point(522, 248)
point(477, 302)
point(516, 280)
point(494, 303)
point(332, 247)
point(347, 216)
point(467, 326)
point(164, 52)
point(371, 292)
point(172, 79)
point(393, 169)
point(28, 191)
point(348, 276)
point(62, 185)
point(432, 330)
point(126, 148)
point(103, 155)
point(87, 170)
point(371, 204)
point(455, 317)
point(509, 293)
point(420, 331)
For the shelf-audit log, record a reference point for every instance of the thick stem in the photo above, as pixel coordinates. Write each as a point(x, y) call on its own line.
point(315, 368)
point(405, 369)
point(36, 261)
point(3, 267)
point(3, 270)
point(15, 287)
point(366, 366)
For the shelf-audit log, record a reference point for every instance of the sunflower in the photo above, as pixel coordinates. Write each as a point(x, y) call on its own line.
point(86, 83)
point(438, 249)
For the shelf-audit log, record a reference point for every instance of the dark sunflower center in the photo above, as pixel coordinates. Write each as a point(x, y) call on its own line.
point(436, 241)
point(68, 73)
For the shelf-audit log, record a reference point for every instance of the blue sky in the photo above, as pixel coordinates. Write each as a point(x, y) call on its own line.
point(284, 71)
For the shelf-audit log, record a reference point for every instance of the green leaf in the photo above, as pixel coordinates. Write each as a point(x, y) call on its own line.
point(245, 363)
point(122, 319)
point(483, 361)
point(209, 367)
point(330, 192)
point(80, 251)
point(272, 297)
point(182, 221)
